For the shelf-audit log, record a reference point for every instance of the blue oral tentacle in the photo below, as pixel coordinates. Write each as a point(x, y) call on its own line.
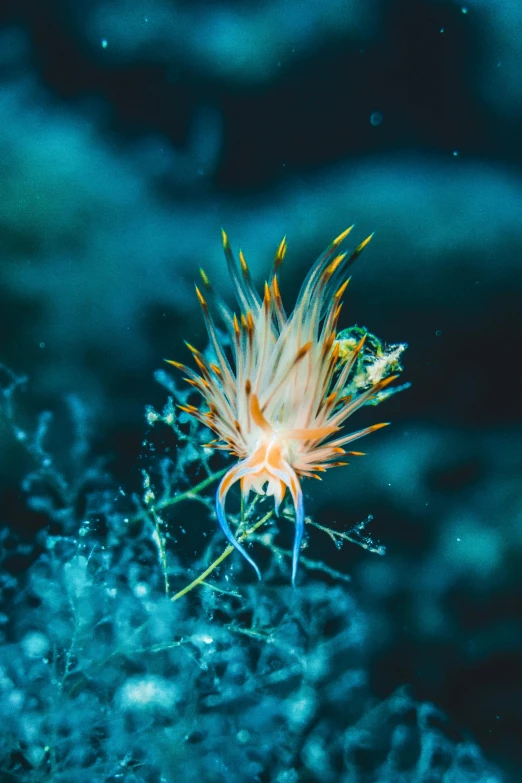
point(222, 519)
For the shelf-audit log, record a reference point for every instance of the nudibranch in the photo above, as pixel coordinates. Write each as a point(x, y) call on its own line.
point(277, 399)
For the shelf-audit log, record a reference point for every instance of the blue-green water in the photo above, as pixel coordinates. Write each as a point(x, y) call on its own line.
point(130, 133)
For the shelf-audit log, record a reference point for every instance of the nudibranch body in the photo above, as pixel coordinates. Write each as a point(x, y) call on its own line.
point(280, 404)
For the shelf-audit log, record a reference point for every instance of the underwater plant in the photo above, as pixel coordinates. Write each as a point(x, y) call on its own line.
point(292, 383)
point(106, 676)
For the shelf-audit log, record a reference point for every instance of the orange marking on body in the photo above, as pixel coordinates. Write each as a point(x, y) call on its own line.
point(330, 269)
point(280, 253)
point(204, 277)
point(363, 244)
point(189, 409)
point(293, 483)
point(340, 291)
point(335, 353)
point(343, 235)
point(258, 417)
point(243, 263)
point(227, 483)
point(302, 352)
point(330, 399)
point(328, 343)
point(385, 382)
point(312, 433)
point(360, 344)
point(378, 426)
point(201, 298)
point(201, 366)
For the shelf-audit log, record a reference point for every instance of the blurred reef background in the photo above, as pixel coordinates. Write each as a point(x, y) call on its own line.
point(130, 132)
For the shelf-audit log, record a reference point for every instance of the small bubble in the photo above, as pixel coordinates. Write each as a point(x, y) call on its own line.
point(35, 644)
point(376, 118)
point(441, 30)
point(438, 333)
point(42, 345)
point(455, 153)
point(141, 590)
point(104, 43)
point(464, 9)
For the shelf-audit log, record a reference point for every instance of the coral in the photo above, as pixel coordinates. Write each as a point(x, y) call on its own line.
point(104, 678)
